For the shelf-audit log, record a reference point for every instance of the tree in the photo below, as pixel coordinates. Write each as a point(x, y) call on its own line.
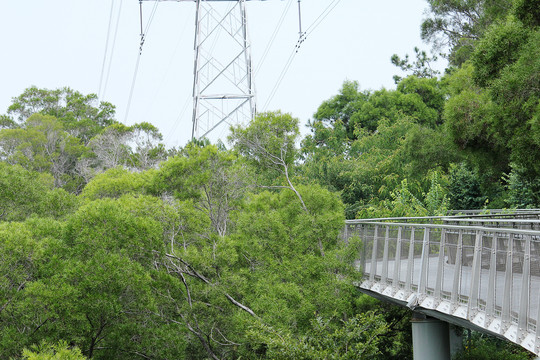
point(115, 182)
point(339, 110)
point(500, 47)
point(268, 142)
point(111, 147)
point(82, 116)
point(24, 193)
point(59, 351)
point(356, 338)
point(420, 68)
point(215, 180)
point(147, 149)
point(458, 24)
point(464, 189)
point(527, 11)
point(95, 284)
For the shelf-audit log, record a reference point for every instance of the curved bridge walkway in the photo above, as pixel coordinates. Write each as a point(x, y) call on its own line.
point(480, 272)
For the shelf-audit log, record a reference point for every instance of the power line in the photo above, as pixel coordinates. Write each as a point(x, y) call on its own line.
point(178, 118)
point(143, 38)
point(322, 16)
point(112, 48)
point(302, 38)
point(169, 66)
point(106, 48)
point(281, 76)
point(274, 35)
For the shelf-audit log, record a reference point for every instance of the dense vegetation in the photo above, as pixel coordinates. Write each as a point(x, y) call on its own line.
point(114, 247)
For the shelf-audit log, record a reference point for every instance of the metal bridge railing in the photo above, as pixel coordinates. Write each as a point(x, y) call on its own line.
point(485, 275)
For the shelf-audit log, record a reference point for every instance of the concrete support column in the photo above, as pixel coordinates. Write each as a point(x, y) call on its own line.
point(430, 338)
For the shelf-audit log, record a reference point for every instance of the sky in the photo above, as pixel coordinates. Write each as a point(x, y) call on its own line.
point(57, 43)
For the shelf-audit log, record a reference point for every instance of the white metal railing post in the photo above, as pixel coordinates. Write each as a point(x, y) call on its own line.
point(410, 262)
point(476, 271)
point(397, 261)
point(524, 301)
point(440, 267)
point(424, 267)
point(507, 296)
point(538, 319)
point(373, 265)
point(362, 234)
point(491, 295)
point(384, 273)
point(457, 268)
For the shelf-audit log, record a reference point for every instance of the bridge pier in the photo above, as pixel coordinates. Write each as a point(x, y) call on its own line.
point(431, 338)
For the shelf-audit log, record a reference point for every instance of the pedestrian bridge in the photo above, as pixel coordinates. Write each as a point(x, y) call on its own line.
point(477, 271)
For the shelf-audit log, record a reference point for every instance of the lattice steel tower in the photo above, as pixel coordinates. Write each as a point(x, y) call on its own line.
point(223, 91)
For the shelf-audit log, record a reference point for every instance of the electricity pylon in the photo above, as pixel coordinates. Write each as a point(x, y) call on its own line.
point(223, 90)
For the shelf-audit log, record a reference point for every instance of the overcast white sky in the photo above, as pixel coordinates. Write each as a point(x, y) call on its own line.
point(56, 43)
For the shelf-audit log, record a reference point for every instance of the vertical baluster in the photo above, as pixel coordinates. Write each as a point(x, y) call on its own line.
point(384, 274)
point(424, 266)
point(524, 301)
point(537, 317)
point(507, 296)
point(410, 262)
point(457, 268)
point(490, 301)
point(440, 267)
point(397, 261)
point(373, 265)
point(476, 272)
point(362, 235)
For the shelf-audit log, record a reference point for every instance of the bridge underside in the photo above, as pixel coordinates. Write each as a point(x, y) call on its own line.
point(434, 313)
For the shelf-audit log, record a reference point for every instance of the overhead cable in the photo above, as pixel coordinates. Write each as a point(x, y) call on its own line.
point(274, 35)
point(112, 49)
point(141, 44)
point(106, 48)
point(322, 16)
point(303, 36)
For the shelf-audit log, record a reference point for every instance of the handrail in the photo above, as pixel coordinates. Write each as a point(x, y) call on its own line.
point(455, 227)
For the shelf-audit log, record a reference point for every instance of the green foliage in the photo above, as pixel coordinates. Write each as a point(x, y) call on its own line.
point(72, 137)
point(464, 188)
point(21, 192)
point(528, 12)
point(518, 111)
point(404, 203)
point(523, 189)
point(487, 348)
point(268, 143)
point(355, 338)
point(420, 68)
point(7, 122)
point(80, 114)
point(500, 47)
point(457, 24)
point(59, 351)
point(116, 182)
point(214, 179)
point(25, 193)
point(468, 112)
point(103, 225)
point(341, 108)
point(186, 260)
